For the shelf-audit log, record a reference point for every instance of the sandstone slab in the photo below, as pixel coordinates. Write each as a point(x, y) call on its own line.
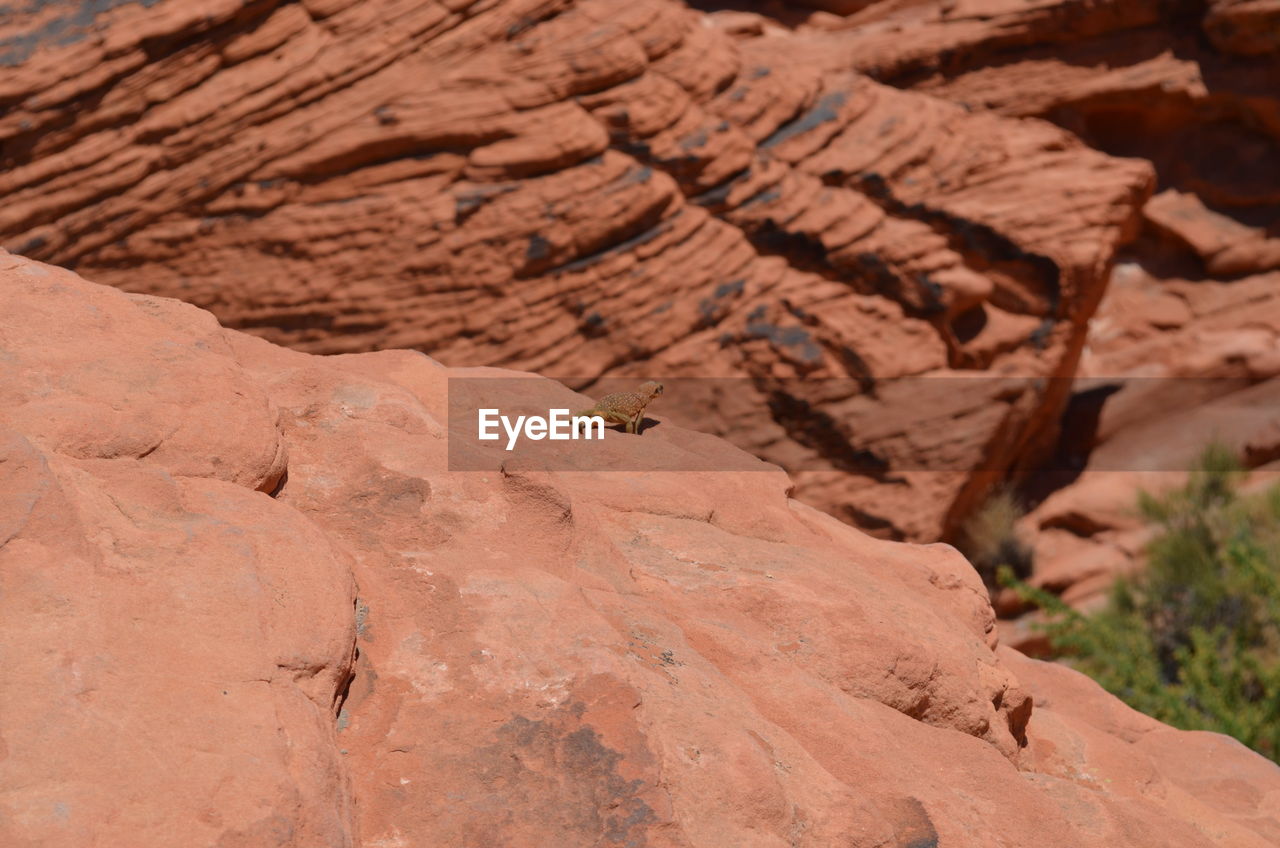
point(665, 658)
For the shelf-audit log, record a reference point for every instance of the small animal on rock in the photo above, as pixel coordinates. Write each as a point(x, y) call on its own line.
point(626, 407)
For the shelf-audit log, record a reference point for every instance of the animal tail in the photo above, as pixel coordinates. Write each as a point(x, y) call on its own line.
point(591, 411)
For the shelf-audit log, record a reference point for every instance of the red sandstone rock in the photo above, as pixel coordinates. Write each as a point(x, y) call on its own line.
point(174, 641)
point(597, 189)
point(589, 189)
point(658, 658)
point(1227, 247)
point(1244, 26)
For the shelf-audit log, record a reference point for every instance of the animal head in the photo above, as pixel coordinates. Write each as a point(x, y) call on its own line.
point(652, 388)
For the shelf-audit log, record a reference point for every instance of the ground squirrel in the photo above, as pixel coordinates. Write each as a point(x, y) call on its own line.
point(626, 407)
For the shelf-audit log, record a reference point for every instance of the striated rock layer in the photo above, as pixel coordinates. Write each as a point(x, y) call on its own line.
point(595, 188)
point(1182, 348)
point(243, 602)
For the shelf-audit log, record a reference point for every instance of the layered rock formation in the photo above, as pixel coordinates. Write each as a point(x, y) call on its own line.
point(245, 603)
point(1182, 349)
point(802, 202)
point(589, 189)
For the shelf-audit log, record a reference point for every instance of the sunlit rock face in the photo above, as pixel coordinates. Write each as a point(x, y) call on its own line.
point(606, 188)
point(246, 602)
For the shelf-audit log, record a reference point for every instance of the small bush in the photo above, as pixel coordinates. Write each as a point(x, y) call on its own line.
point(991, 539)
point(1195, 640)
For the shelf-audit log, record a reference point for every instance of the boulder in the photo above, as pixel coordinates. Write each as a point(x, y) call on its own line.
point(382, 651)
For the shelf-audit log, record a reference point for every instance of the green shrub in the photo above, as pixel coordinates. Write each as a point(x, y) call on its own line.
point(1195, 640)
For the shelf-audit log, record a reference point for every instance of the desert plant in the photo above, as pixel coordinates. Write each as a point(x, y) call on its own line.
point(1195, 639)
point(991, 539)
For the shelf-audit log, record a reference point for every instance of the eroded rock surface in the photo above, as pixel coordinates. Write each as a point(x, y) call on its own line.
point(592, 188)
point(678, 659)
